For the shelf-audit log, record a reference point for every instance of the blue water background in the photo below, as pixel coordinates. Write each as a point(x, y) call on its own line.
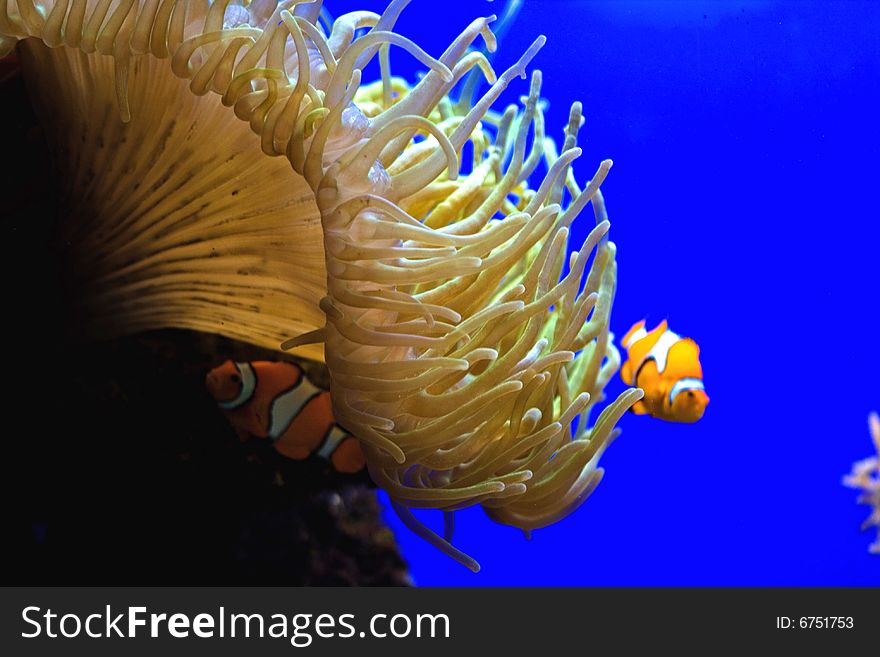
point(743, 202)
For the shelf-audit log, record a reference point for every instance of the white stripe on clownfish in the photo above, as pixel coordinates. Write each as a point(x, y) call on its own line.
point(660, 351)
point(331, 442)
point(685, 384)
point(287, 405)
point(248, 386)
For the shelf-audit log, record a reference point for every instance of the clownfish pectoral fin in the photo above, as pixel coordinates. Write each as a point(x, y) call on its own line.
point(640, 408)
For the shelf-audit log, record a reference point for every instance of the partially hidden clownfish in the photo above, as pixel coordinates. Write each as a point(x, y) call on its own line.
point(276, 401)
point(667, 367)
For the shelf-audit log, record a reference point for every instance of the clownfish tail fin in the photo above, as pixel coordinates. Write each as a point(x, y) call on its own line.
point(348, 457)
point(626, 373)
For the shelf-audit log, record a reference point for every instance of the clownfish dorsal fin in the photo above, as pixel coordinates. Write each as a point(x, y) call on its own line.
point(640, 349)
point(635, 333)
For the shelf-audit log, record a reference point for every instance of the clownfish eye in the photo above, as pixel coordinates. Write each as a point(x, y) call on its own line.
point(235, 378)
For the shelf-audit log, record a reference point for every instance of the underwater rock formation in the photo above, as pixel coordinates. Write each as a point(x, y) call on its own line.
point(134, 476)
point(463, 353)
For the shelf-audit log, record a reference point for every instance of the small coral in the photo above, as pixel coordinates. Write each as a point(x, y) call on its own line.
point(865, 476)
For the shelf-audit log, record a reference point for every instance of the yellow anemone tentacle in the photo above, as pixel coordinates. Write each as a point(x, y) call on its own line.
point(462, 354)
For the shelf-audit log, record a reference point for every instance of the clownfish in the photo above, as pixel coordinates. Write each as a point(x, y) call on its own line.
point(667, 367)
point(275, 400)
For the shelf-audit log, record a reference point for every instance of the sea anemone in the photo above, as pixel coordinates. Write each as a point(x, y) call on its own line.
point(466, 346)
point(865, 476)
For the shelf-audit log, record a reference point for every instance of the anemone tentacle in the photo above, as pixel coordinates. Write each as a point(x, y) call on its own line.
point(865, 477)
point(462, 353)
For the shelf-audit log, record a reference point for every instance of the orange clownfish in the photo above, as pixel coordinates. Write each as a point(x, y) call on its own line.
point(275, 400)
point(667, 367)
